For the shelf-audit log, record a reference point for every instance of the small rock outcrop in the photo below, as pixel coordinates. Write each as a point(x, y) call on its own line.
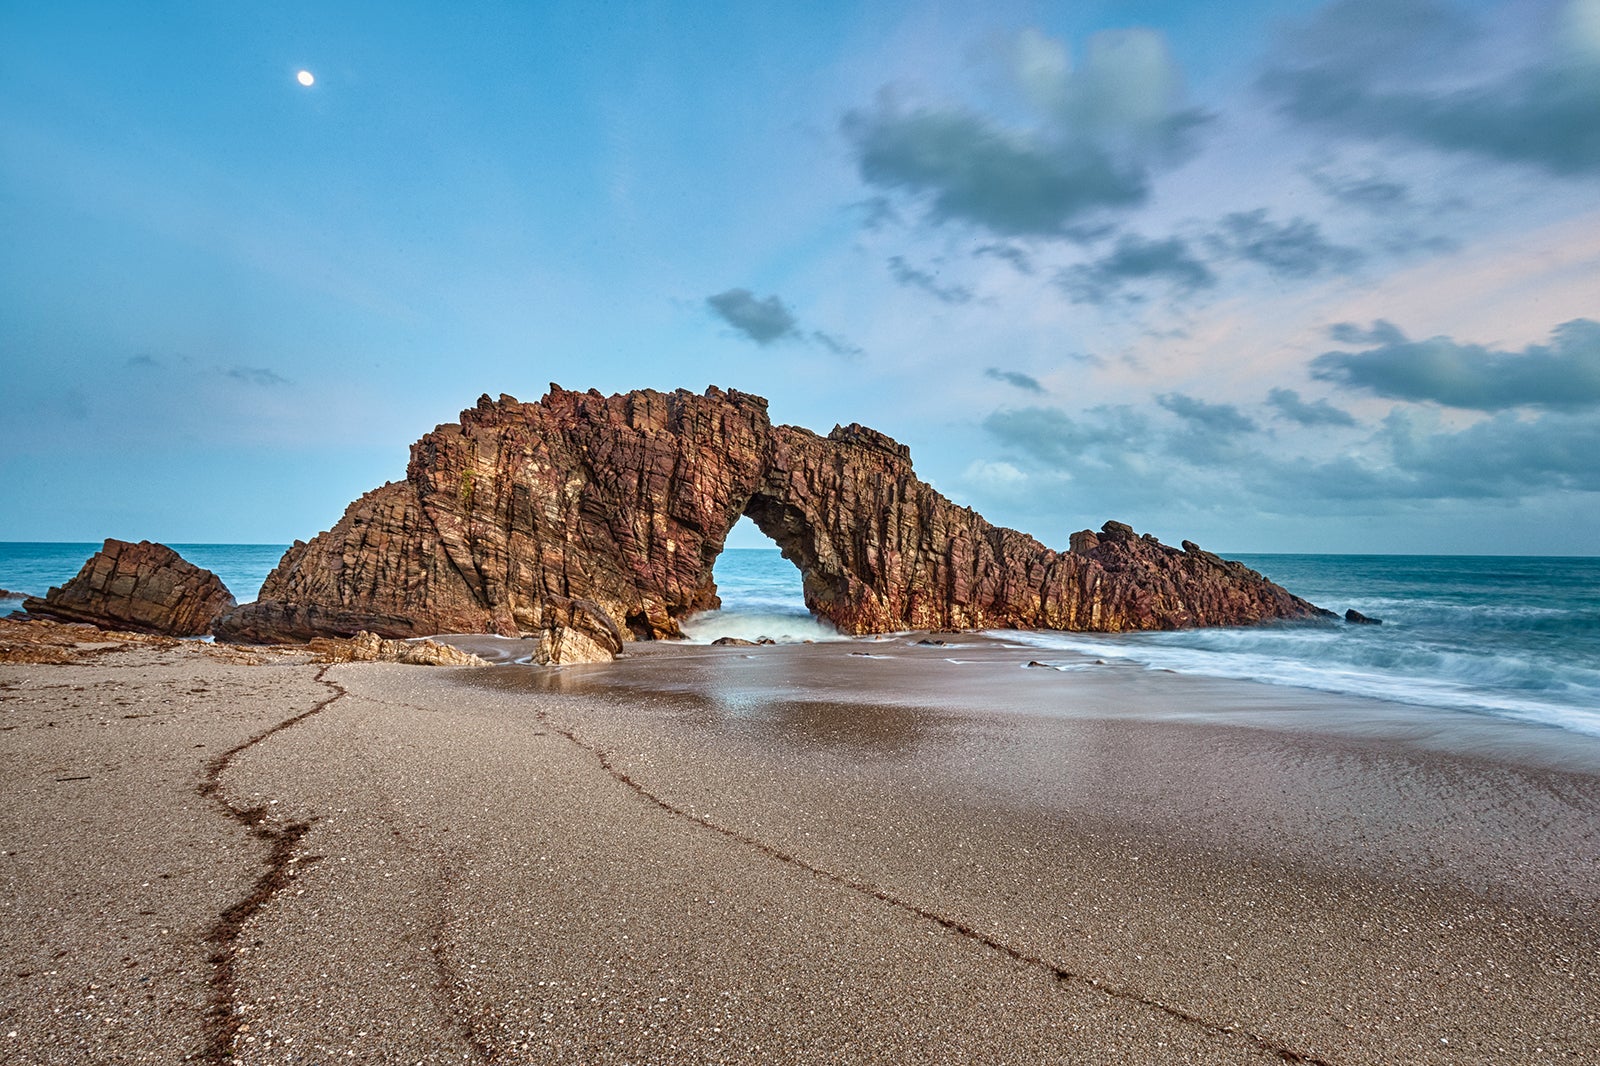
point(576, 631)
point(143, 587)
point(605, 515)
point(560, 645)
point(1356, 618)
point(371, 648)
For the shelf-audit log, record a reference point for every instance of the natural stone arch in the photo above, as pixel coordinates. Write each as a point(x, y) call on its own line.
point(609, 512)
point(790, 529)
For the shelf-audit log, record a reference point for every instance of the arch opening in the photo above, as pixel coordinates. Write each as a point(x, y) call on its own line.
point(762, 594)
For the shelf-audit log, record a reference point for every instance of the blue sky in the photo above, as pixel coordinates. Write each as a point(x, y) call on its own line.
point(1269, 276)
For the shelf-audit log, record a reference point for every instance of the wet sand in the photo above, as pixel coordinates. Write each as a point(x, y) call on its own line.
point(781, 854)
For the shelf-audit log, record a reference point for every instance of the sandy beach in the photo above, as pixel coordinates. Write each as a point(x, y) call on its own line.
point(861, 851)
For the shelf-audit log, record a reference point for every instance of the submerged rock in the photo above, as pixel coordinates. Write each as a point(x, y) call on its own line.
point(143, 587)
point(624, 503)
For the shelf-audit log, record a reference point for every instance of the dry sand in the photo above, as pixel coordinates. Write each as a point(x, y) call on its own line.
point(780, 854)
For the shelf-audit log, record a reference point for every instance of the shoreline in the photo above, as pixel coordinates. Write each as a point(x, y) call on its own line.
point(1492, 736)
point(1261, 766)
point(747, 854)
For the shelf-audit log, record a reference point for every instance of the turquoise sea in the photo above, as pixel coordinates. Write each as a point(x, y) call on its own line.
point(1512, 636)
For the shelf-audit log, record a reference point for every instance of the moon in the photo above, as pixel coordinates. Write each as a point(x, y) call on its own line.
point(305, 78)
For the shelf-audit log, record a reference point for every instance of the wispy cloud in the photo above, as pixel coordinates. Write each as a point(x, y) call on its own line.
point(911, 277)
point(836, 345)
point(1016, 379)
point(1367, 192)
point(256, 375)
point(1296, 248)
point(1009, 253)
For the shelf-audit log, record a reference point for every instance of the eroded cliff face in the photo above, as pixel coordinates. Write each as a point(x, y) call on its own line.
point(605, 514)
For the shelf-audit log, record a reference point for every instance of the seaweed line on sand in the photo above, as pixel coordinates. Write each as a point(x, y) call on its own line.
point(1263, 1043)
point(447, 976)
point(222, 1022)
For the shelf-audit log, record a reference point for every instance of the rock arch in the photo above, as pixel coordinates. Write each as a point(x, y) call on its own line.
point(609, 512)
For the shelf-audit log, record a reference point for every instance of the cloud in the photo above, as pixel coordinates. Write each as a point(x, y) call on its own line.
point(1564, 374)
point(768, 321)
point(981, 470)
point(1580, 29)
point(763, 321)
point(1126, 93)
point(1098, 132)
point(1295, 249)
point(1010, 253)
point(1115, 445)
point(1289, 405)
point(1119, 459)
point(1375, 195)
point(836, 345)
point(1374, 36)
point(1015, 378)
point(1136, 260)
point(1215, 417)
point(1391, 71)
point(256, 375)
point(967, 169)
point(1098, 439)
point(877, 212)
point(1381, 332)
point(1502, 459)
point(1209, 434)
point(910, 276)
point(1504, 456)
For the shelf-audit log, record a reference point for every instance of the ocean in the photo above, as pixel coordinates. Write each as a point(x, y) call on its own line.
point(1512, 636)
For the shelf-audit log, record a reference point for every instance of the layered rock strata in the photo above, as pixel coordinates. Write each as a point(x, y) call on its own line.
point(143, 587)
point(606, 514)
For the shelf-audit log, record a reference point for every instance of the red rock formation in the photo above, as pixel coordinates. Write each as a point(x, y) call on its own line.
point(621, 504)
point(143, 587)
